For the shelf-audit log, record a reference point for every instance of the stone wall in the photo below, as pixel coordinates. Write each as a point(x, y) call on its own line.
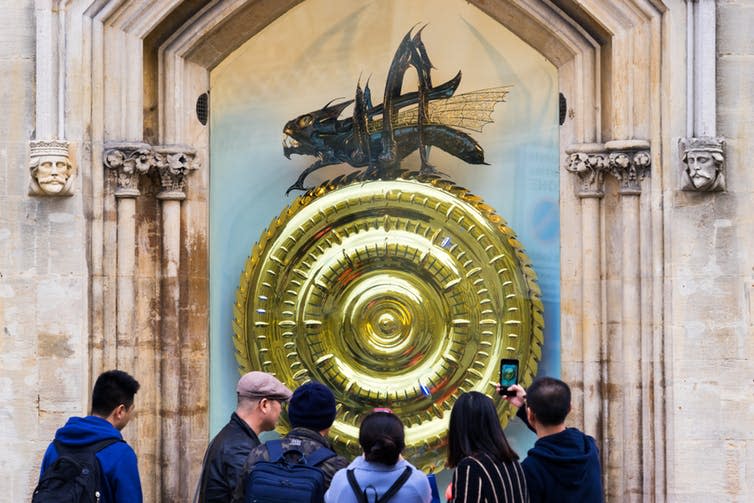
point(710, 238)
point(43, 277)
point(697, 309)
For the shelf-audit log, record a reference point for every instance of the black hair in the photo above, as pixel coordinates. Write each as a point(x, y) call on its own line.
point(475, 429)
point(113, 388)
point(382, 438)
point(549, 399)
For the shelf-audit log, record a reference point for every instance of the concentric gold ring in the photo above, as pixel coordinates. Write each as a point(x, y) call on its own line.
point(394, 293)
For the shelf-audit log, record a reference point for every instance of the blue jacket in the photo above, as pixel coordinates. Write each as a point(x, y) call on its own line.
point(120, 473)
point(564, 468)
point(381, 477)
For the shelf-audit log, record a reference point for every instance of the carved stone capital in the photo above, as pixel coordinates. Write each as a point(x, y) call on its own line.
point(629, 162)
point(174, 163)
point(703, 164)
point(51, 170)
point(589, 162)
point(128, 161)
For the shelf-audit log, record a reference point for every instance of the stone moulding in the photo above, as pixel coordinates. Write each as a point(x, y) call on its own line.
point(702, 164)
point(627, 160)
point(51, 171)
point(589, 162)
point(130, 160)
point(174, 163)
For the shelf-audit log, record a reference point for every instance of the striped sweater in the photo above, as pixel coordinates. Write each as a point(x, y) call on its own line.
point(483, 480)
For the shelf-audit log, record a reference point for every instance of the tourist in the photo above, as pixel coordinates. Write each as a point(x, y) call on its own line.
point(564, 464)
point(260, 399)
point(112, 409)
point(311, 412)
point(486, 467)
point(381, 472)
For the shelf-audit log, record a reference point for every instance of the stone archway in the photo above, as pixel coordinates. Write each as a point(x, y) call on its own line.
point(134, 70)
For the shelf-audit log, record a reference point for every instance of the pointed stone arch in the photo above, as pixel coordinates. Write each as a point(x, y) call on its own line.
point(133, 72)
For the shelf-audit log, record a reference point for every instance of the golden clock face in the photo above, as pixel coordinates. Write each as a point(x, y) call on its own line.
point(394, 293)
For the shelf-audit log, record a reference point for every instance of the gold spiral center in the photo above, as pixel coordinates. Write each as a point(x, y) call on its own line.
point(389, 327)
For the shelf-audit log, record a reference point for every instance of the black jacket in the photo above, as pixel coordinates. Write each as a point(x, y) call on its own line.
point(224, 460)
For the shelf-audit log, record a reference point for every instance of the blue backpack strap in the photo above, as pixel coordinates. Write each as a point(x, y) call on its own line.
point(275, 449)
point(321, 455)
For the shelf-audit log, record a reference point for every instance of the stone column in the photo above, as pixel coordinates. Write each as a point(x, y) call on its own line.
point(702, 154)
point(52, 172)
point(589, 162)
point(127, 161)
point(629, 162)
point(701, 65)
point(173, 163)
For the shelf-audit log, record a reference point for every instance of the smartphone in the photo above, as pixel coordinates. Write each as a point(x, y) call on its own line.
point(508, 375)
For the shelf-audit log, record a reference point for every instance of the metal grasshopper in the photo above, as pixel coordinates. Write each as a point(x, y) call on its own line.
point(381, 136)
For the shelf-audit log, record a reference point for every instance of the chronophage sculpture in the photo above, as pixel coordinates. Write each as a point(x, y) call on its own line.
point(379, 137)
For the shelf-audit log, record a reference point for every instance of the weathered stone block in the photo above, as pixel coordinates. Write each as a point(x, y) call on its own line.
point(696, 405)
point(733, 19)
point(688, 485)
point(21, 473)
point(17, 172)
point(17, 333)
point(18, 35)
point(18, 417)
point(734, 83)
point(721, 340)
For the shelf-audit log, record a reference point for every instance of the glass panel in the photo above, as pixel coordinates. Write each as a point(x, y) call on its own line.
point(317, 52)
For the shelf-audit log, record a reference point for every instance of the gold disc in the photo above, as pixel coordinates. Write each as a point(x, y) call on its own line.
point(394, 293)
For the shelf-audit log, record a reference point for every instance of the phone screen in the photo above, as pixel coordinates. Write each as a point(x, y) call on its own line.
point(508, 374)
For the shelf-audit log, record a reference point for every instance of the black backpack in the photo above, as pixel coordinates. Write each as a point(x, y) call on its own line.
point(74, 477)
point(361, 495)
point(281, 480)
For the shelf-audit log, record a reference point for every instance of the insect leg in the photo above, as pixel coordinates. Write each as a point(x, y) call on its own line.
point(299, 185)
point(360, 119)
point(420, 61)
point(393, 84)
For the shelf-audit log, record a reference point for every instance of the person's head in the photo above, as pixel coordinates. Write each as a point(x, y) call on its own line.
point(475, 429)
point(704, 167)
point(549, 400)
point(260, 400)
point(113, 397)
point(312, 406)
point(52, 173)
point(382, 438)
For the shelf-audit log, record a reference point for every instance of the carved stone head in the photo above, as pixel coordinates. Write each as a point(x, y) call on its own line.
point(704, 164)
point(51, 169)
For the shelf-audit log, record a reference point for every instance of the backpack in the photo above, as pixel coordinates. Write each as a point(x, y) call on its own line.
point(74, 477)
point(361, 495)
point(281, 480)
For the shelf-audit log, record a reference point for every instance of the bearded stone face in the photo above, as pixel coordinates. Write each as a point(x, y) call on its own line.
point(52, 174)
point(703, 169)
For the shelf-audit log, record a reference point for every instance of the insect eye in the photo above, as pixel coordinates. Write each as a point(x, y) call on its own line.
point(305, 121)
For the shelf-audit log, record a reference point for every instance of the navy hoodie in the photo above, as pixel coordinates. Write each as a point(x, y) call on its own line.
point(564, 467)
point(120, 472)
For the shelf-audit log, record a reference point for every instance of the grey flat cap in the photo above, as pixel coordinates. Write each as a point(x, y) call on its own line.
point(262, 385)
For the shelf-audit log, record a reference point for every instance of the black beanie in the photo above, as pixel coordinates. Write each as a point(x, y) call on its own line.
point(312, 406)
